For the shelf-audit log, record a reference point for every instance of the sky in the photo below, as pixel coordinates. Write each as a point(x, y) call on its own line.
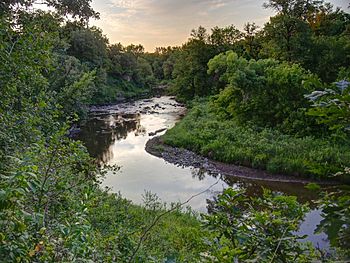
point(157, 23)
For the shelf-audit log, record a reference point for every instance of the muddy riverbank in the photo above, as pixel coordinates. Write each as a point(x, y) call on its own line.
point(186, 158)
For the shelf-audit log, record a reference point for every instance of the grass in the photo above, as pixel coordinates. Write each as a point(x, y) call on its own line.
point(223, 140)
point(118, 224)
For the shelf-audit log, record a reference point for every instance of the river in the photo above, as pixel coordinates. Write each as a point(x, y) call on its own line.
point(117, 135)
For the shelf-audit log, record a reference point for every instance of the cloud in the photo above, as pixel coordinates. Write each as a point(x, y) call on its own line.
point(169, 22)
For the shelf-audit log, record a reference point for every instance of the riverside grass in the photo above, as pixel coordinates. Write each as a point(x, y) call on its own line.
point(220, 139)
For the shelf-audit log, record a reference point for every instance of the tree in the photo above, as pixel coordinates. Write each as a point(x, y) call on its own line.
point(170, 61)
point(325, 21)
point(330, 42)
point(310, 33)
point(77, 9)
point(190, 69)
point(89, 45)
point(287, 38)
point(328, 50)
point(144, 72)
point(265, 92)
point(136, 50)
point(251, 42)
point(224, 39)
point(294, 8)
point(115, 53)
point(200, 34)
point(42, 171)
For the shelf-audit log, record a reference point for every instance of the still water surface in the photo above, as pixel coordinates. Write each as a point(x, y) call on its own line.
point(118, 134)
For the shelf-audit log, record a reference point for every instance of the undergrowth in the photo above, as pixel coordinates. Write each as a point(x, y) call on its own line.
point(203, 132)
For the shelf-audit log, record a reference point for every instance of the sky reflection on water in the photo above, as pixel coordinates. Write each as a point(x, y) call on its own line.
point(117, 135)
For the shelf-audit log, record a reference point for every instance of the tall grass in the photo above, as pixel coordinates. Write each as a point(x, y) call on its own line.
point(223, 140)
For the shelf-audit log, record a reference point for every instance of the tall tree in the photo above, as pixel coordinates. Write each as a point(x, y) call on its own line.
point(251, 42)
point(295, 8)
point(287, 38)
point(89, 45)
point(224, 39)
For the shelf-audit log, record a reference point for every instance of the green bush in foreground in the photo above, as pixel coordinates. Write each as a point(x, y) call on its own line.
point(220, 139)
point(249, 229)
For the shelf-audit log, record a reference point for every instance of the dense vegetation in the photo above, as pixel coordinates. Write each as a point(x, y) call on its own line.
point(205, 132)
point(275, 98)
point(269, 85)
point(275, 104)
point(51, 206)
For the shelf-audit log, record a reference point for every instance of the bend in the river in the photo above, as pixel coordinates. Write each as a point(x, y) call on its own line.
point(117, 134)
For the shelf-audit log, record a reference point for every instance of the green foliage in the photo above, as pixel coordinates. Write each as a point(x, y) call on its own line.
point(119, 224)
point(53, 66)
point(78, 9)
point(263, 92)
point(329, 50)
point(39, 196)
point(118, 89)
point(248, 229)
point(296, 8)
point(310, 33)
point(51, 206)
point(332, 106)
point(21, 85)
point(190, 70)
point(336, 213)
point(89, 46)
point(224, 38)
point(51, 209)
point(251, 43)
point(206, 133)
point(73, 83)
point(287, 38)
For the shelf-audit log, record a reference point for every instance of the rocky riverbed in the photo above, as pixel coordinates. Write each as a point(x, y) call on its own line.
point(185, 158)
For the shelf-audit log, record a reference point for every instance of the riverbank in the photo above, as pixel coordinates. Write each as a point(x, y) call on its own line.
point(185, 158)
point(283, 157)
point(117, 134)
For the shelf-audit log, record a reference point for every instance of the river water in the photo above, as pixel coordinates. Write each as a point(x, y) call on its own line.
point(117, 135)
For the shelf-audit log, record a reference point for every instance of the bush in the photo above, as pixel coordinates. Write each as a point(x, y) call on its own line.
point(264, 92)
point(248, 229)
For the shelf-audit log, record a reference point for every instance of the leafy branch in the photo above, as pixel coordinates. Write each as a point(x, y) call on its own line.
point(157, 219)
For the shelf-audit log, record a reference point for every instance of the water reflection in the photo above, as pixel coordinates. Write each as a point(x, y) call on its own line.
point(101, 132)
point(118, 134)
point(255, 188)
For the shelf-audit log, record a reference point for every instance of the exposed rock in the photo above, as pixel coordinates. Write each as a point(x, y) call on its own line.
point(156, 132)
point(185, 158)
